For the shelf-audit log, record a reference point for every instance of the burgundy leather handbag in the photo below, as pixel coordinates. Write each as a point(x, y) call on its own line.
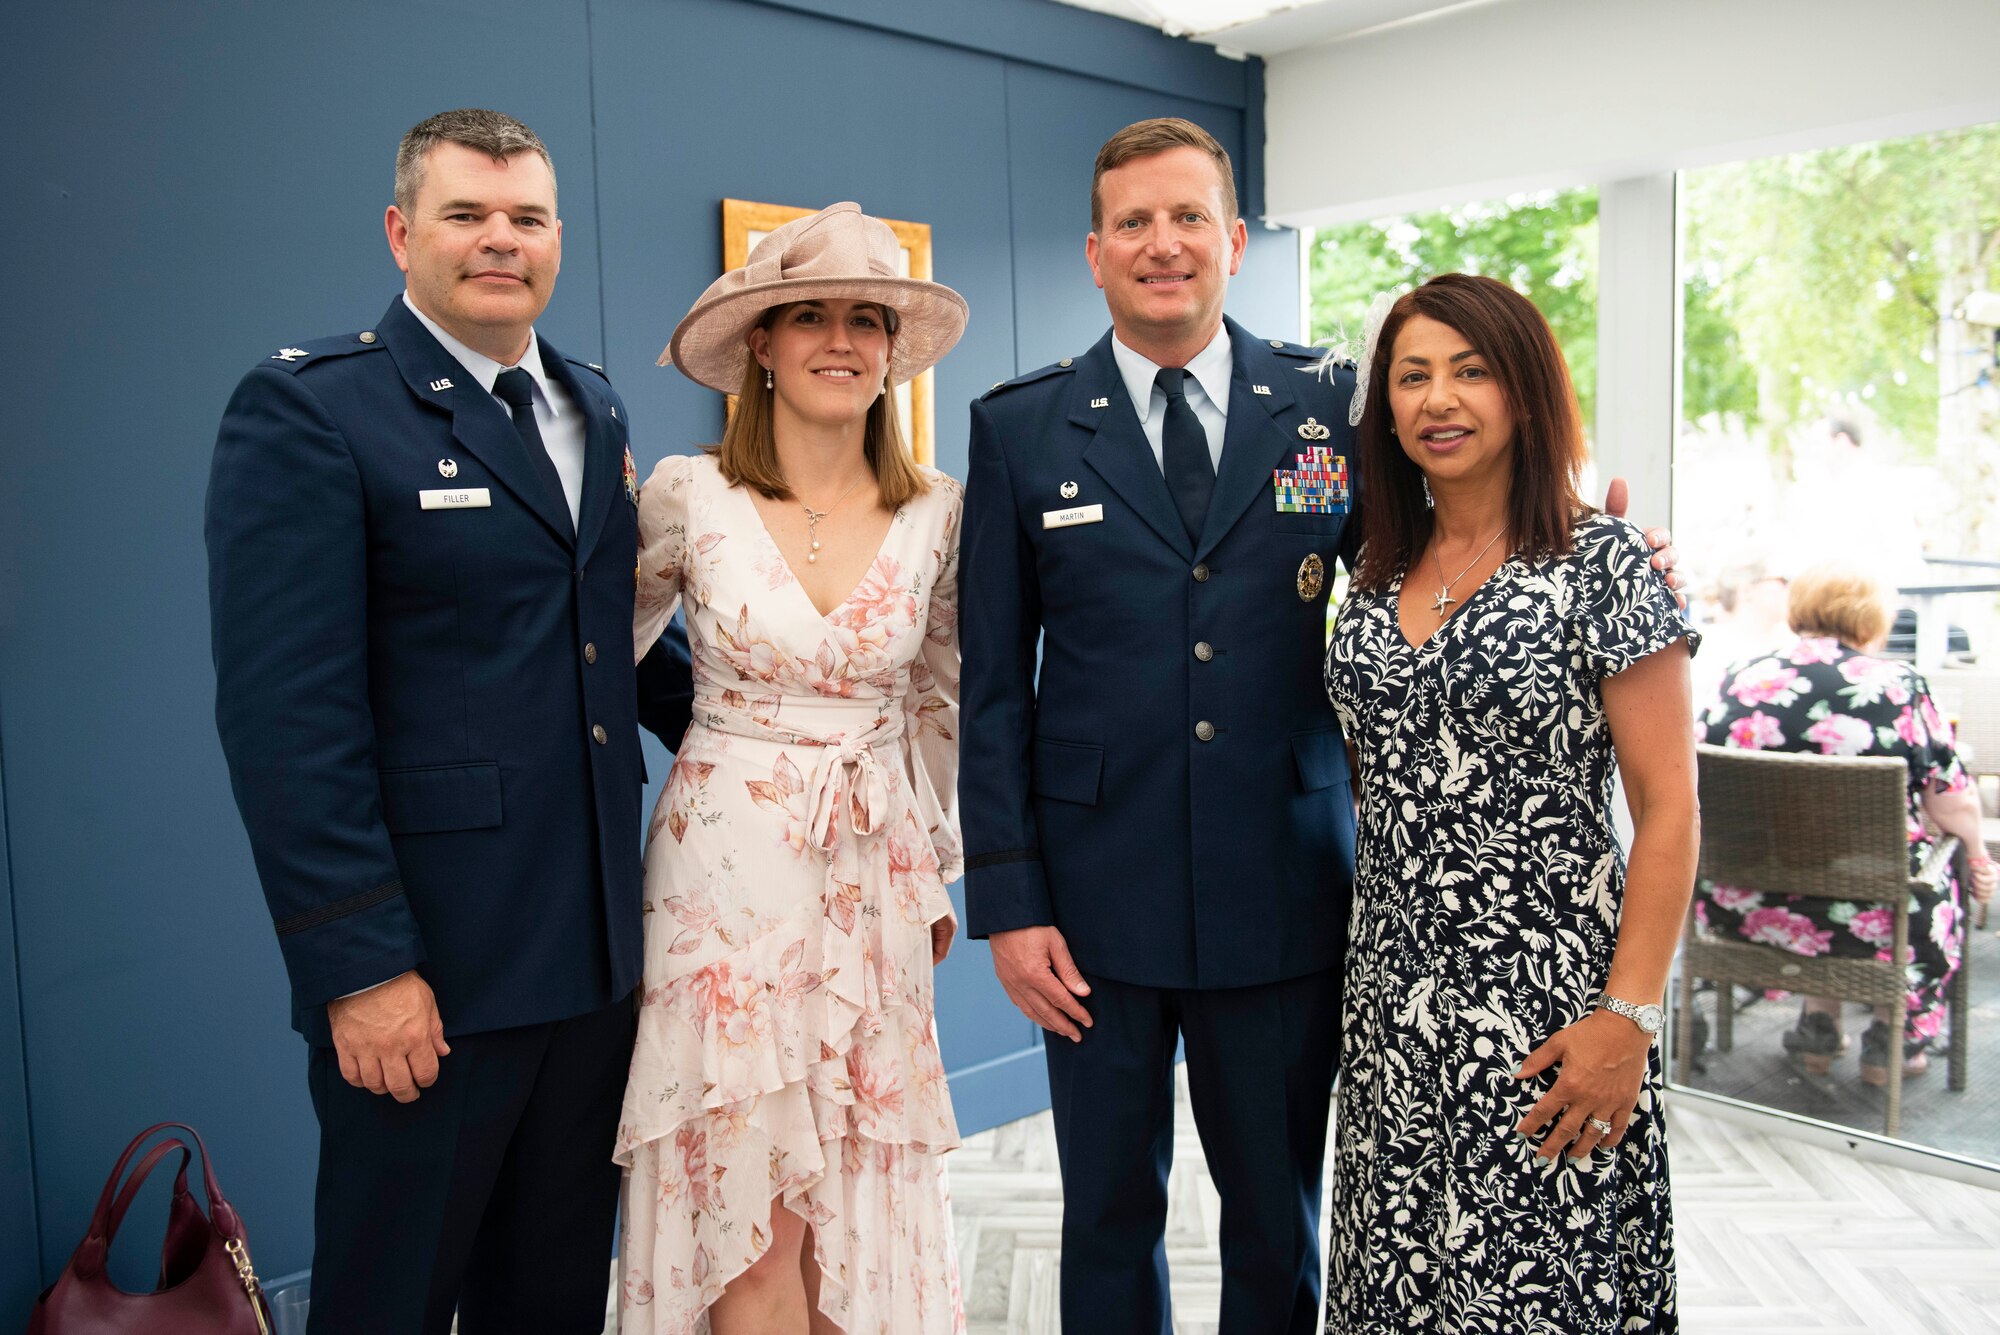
point(206, 1284)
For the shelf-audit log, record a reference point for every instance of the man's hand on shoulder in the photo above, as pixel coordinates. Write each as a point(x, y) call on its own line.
point(1034, 967)
point(1616, 499)
point(389, 1038)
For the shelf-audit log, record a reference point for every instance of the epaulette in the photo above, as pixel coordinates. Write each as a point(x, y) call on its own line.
point(1054, 368)
point(603, 375)
point(1300, 350)
point(291, 357)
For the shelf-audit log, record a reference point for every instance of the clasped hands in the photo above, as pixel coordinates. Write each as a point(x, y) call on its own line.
point(1601, 1067)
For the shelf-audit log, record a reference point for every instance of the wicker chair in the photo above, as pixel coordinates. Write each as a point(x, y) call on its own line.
point(1820, 826)
point(1973, 698)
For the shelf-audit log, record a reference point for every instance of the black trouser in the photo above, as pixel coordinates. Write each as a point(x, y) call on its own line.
point(492, 1194)
point(1260, 1064)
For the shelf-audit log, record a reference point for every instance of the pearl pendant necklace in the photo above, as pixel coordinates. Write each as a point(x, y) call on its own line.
point(814, 516)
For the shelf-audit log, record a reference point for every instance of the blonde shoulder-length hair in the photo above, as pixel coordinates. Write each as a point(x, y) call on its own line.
point(748, 454)
point(1845, 601)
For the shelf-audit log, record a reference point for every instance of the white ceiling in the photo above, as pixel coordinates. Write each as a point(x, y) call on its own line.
point(1267, 27)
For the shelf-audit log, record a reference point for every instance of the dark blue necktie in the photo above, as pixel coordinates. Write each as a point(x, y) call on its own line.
point(1184, 453)
point(516, 389)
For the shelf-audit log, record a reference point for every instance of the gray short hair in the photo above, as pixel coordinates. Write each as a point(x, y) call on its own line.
point(496, 135)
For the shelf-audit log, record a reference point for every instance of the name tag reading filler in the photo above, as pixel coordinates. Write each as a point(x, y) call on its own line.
point(1077, 514)
point(464, 498)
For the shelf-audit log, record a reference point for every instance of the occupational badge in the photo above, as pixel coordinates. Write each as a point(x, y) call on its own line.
point(1310, 429)
point(1312, 577)
point(447, 468)
point(1068, 490)
point(631, 478)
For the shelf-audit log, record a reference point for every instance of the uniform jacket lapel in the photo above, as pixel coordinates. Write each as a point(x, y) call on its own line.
point(1119, 453)
point(1256, 441)
point(479, 425)
point(603, 459)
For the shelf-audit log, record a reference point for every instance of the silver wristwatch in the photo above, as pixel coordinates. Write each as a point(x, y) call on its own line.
point(1650, 1019)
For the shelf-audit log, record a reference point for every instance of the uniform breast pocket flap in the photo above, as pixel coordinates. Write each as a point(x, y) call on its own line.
point(426, 799)
point(1067, 771)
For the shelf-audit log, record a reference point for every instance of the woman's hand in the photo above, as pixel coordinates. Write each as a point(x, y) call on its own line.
point(1602, 1068)
point(942, 932)
point(1983, 879)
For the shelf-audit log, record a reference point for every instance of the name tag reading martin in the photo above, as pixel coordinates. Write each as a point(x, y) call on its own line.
point(464, 498)
point(1076, 514)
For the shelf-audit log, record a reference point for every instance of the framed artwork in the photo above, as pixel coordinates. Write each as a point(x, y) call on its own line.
point(745, 223)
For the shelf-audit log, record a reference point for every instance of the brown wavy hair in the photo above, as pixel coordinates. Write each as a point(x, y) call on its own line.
point(1519, 347)
point(748, 453)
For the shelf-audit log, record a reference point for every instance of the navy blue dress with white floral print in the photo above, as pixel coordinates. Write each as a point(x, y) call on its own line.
point(1487, 895)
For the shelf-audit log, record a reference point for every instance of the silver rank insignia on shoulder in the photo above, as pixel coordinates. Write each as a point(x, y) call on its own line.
point(1260, 389)
point(444, 383)
point(288, 354)
point(614, 412)
point(1068, 490)
point(447, 468)
point(1312, 430)
point(1100, 403)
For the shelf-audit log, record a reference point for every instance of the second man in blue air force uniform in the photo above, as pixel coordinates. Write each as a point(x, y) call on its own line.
point(1158, 831)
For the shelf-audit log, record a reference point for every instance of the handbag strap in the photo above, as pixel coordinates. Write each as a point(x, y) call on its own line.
point(138, 1180)
point(103, 1224)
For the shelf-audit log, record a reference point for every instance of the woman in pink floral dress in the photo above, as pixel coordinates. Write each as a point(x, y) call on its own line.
point(1827, 693)
point(786, 1116)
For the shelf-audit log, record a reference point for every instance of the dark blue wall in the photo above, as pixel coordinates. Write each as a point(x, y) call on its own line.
point(198, 184)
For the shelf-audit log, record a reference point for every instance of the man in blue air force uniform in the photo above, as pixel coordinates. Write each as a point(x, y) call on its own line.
point(421, 542)
point(1159, 835)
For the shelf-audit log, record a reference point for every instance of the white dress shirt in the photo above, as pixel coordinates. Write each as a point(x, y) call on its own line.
point(1209, 373)
point(556, 414)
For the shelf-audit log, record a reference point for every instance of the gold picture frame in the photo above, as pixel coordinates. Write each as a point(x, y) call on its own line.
point(746, 222)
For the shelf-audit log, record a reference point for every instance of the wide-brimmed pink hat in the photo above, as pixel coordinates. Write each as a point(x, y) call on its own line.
point(838, 253)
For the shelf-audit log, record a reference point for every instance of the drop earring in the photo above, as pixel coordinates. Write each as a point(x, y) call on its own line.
point(1429, 504)
point(767, 377)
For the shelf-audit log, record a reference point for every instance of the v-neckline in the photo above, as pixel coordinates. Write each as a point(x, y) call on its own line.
point(1396, 607)
point(772, 542)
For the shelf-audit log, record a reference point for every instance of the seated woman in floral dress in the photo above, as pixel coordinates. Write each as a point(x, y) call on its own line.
point(1827, 693)
point(786, 1116)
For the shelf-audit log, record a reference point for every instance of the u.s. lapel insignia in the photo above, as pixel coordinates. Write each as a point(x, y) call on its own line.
point(631, 478)
point(1312, 430)
point(1068, 490)
point(1100, 403)
point(1260, 389)
point(1312, 577)
point(447, 468)
point(441, 384)
point(288, 354)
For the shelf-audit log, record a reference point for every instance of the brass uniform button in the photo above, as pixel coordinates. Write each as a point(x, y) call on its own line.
point(590, 653)
point(1277, 342)
point(1200, 573)
point(1204, 731)
point(597, 731)
point(1203, 650)
point(1065, 361)
point(367, 336)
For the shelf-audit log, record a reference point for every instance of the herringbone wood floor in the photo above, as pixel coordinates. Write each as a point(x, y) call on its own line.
point(1776, 1237)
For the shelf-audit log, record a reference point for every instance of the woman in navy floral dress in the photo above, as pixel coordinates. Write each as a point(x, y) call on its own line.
point(1500, 1164)
point(1828, 694)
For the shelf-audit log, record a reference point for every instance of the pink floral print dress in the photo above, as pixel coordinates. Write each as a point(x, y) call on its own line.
point(795, 861)
point(1818, 696)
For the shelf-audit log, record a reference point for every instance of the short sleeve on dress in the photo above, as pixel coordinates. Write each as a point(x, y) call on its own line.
point(1938, 767)
point(662, 550)
point(1624, 607)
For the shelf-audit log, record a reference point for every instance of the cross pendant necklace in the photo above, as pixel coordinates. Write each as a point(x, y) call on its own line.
point(1444, 598)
